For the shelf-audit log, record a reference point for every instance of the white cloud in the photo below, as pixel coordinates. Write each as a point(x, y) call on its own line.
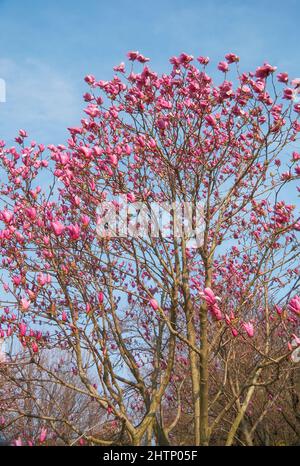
point(38, 97)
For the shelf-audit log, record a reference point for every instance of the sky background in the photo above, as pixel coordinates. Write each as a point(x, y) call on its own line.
point(46, 48)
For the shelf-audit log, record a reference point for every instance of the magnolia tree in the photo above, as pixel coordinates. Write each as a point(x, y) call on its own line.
point(158, 250)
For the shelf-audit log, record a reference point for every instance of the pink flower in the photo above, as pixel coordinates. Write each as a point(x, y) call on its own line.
point(288, 93)
point(249, 328)
point(209, 296)
point(64, 316)
point(131, 197)
point(23, 133)
point(211, 300)
point(100, 297)
point(120, 67)
point(93, 111)
point(43, 279)
point(90, 79)
point(25, 304)
point(161, 123)
point(58, 228)
point(297, 108)
point(35, 347)
point(113, 159)
point(203, 60)
point(296, 156)
point(223, 66)
point(43, 434)
point(234, 332)
point(74, 232)
point(132, 56)
point(283, 77)
point(295, 82)
point(86, 151)
point(142, 59)
point(210, 120)
point(17, 280)
point(184, 58)
point(22, 328)
point(153, 303)
point(18, 442)
point(7, 216)
point(85, 220)
point(265, 70)
point(31, 213)
point(232, 58)
point(294, 305)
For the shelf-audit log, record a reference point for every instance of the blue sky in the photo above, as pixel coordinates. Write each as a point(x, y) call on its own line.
point(46, 48)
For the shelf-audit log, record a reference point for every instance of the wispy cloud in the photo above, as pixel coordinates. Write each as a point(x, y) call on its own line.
point(37, 96)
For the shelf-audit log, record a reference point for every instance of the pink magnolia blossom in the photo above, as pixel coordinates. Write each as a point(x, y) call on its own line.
point(85, 220)
point(203, 60)
point(58, 228)
point(296, 82)
point(74, 232)
point(223, 66)
point(131, 197)
point(31, 213)
point(25, 304)
point(294, 305)
point(288, 93)
point(22, 328)
point(297, 108)
point(23, 133)
point(142, 59)
point(90, 79)
point(7, 216)
point(211, 300)
point(232, 58)
point(43, 434)
point(283, 78)
point(35, 347)
point(234, 332)
point(18, 442)
point(265, 70)
point(120, 67)
point(154, 304)
point(132, 56)
point(248, 326)
point(100, 297)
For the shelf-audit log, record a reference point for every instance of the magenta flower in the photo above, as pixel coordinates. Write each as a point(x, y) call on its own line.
point(132, 56)
point(25, 304)
point(22, 328)
point(265, 70)
point(294, 305)
point(203, 60)
point(23, 133)
point(35, 347)
point(283, 77)
point(249, 328)
point(100, 297)
point(43, 434)
point(58, 228)
point(223, 66)
point(153, 303)
point(6, 216)
point(232, 58)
